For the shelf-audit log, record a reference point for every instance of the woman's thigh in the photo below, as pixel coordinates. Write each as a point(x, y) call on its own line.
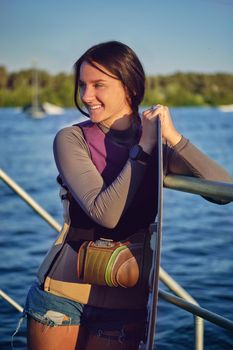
point(44, 337)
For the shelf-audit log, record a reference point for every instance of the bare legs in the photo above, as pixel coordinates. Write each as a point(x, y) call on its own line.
point(43, 337)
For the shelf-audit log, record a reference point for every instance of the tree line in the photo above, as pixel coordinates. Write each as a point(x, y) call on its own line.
point(178, 89)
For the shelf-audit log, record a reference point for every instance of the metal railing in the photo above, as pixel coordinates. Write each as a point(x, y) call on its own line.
point(11, 301)
point(182, 293)
point(211, 189)
point(197, 310)
point(29, 200)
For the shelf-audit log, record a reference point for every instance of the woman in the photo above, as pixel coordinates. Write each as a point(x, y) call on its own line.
point(107, 172)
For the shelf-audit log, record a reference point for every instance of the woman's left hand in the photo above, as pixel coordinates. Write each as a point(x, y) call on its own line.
point(169, 131)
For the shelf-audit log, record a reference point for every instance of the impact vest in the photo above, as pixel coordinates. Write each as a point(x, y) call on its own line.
point(58, 273)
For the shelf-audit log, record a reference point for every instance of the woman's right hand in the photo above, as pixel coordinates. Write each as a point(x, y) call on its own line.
point(169, 132)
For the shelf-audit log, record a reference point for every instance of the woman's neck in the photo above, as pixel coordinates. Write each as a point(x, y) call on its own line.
point(121, 123)
point(123, 135)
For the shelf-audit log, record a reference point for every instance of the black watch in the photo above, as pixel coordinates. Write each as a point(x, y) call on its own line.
point(137, 153)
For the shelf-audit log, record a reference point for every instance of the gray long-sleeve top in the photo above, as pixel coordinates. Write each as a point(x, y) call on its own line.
point(105, 204)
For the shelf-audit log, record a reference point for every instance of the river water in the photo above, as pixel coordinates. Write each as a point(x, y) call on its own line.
point(197, 235)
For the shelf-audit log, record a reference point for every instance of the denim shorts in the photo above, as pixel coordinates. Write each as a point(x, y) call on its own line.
point(53, 310)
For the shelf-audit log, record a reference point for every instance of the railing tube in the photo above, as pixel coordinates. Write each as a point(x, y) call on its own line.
point(213, 189)
point(197, 310)
point(35, 206)
point(10, 301)
point(179, 291)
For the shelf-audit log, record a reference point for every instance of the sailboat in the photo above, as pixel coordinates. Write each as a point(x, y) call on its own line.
point(226, 108)
point(38, 110)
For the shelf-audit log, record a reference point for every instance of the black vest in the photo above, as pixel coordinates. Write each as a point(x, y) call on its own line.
point(109, 159)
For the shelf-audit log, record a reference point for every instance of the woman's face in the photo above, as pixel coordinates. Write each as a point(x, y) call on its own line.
point(104, 97)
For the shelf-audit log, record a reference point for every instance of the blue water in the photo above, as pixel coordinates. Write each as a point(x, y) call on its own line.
point(197, 237)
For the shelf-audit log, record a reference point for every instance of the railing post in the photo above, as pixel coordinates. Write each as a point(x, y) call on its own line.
point(199, 332)
point(179, 291)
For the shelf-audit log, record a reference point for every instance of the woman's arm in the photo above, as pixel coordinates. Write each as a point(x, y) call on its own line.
point(103, 204)
point(186, 159)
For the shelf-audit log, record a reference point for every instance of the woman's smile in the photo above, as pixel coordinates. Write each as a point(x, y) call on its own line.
point(94, 108)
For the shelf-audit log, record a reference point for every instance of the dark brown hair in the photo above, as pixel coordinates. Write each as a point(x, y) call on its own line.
point(122, 62)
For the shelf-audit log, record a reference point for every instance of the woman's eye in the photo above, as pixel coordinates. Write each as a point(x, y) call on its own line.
point(98, 85)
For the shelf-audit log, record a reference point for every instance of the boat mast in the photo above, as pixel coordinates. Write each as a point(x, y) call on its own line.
point(35, 88)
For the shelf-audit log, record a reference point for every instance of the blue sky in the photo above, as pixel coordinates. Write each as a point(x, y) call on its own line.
point(167, 35)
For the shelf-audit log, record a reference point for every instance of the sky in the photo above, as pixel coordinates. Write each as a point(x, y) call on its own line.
point(167, 35)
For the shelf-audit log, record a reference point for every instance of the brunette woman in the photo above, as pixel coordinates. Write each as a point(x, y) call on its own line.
point(107, 175)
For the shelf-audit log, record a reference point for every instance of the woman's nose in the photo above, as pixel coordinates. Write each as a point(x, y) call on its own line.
point(87, 94)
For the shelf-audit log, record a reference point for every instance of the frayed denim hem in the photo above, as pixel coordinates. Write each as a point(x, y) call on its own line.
point(19, 324)
point(51, 318)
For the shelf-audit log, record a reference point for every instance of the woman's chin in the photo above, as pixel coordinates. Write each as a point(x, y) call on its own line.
point(96, 118)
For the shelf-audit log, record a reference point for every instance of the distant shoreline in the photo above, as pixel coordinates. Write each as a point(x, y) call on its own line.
point(178, 89)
